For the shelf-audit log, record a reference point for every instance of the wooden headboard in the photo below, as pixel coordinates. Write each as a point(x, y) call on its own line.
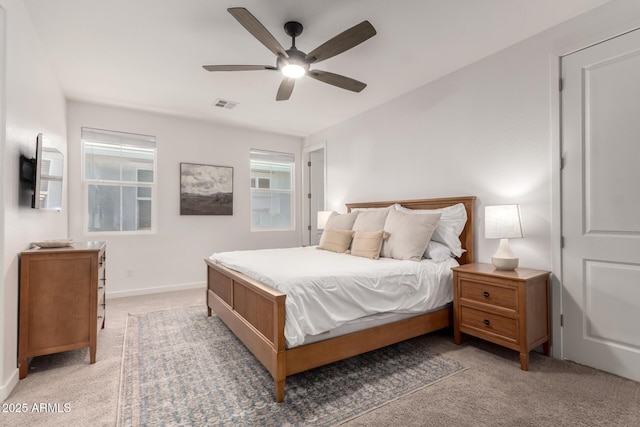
point(467, 236)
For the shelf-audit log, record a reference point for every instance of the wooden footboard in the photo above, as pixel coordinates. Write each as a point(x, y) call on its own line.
point(256, 313)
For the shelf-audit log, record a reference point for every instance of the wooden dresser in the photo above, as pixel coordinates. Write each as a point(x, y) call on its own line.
point(510, 308)
point(62, 300)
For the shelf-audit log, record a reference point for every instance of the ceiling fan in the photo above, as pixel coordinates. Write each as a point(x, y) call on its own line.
point(294, 63)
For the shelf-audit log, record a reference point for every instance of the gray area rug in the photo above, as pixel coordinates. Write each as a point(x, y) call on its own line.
point(182, 368)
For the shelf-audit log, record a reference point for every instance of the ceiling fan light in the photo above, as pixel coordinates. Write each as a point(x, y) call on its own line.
point(293, 71)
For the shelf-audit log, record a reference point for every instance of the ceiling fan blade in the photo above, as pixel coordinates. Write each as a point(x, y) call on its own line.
point(285, 89)
point(248, 21)
point(343, 41)
point(337, 80)
point(237, 67)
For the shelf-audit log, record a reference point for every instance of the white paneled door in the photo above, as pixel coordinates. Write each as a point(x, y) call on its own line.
point(601, 205)
point(315, 181)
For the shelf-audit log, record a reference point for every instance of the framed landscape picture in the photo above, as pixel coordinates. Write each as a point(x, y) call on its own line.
point(206, 189)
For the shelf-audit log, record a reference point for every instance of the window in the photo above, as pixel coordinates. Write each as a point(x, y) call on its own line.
point(271, 190)
point(119, 181)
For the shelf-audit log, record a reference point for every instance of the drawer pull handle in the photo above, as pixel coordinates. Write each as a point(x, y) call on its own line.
point(99, 317)
point(485, 294)
point(487, 322)
point(100, 287)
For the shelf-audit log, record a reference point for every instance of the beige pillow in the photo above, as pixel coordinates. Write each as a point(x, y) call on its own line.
point(368, 243)
point(338, 222)
point(371, 220)
point(336, 240)
point(410, 234)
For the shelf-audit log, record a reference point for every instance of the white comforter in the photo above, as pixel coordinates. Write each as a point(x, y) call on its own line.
point(325, 289)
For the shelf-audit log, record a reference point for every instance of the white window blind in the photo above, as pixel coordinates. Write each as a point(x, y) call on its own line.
point(272, 197)
point(119, 181)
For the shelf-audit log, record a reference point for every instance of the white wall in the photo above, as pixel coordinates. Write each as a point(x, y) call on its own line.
point(482, 131)
point(33, 103)
point(173, 257)
point(489, 130)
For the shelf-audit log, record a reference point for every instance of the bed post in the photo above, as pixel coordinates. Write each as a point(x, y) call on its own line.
point(280, 348)
point(279, 391)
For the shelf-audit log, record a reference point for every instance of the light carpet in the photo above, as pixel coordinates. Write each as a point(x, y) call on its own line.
point(181, 367)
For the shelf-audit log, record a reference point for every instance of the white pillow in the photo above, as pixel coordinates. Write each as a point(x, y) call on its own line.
point(436, 251)
point(409, 235)
point(338, 221)
point(371, 220)
point(450, 226)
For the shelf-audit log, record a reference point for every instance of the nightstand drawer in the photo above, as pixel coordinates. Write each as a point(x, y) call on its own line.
point(489, 322)
point(500, 296)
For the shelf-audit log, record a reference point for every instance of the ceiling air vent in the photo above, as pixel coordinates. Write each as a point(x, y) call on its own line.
point(223, 103)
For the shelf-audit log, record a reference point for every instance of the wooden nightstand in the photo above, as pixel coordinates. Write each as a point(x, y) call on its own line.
point(509, 308)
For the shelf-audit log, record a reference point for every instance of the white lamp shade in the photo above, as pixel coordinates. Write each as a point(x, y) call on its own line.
point(502, 222)
point(323, 216)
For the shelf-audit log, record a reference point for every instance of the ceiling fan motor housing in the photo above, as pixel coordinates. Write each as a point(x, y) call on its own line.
point(296, 57)
point(293, 28)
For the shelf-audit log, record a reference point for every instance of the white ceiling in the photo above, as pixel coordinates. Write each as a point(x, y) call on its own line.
point(148, 54)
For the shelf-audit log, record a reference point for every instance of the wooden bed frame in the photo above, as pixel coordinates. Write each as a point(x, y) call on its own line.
point(256, 312)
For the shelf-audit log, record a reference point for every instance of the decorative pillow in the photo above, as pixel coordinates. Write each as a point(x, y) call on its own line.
point(368, 243)
point(409, 234)
point(436, 251)
point(450, 226)
point(338, 221)
point(336, 240)
point(371, 220)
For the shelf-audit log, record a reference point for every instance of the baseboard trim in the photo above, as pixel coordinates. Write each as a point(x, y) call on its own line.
point(156, 290)
point(8, 387)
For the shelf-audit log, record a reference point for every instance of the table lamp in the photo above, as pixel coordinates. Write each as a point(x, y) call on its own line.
point(503, 222)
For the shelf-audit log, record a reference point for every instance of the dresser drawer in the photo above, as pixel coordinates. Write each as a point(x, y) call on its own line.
point(102, 278)
point(102, 288)
point(489, 322)
point(101, 312)
point(102, 264)
point(101, 292)
point(500, 296)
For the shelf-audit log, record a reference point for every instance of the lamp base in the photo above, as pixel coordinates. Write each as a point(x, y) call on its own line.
point(505, 263)
point(504, 258)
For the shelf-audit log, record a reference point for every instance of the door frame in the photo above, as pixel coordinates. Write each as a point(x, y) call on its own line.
point(8, 379)
point(305, 186)
point(555, 72)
